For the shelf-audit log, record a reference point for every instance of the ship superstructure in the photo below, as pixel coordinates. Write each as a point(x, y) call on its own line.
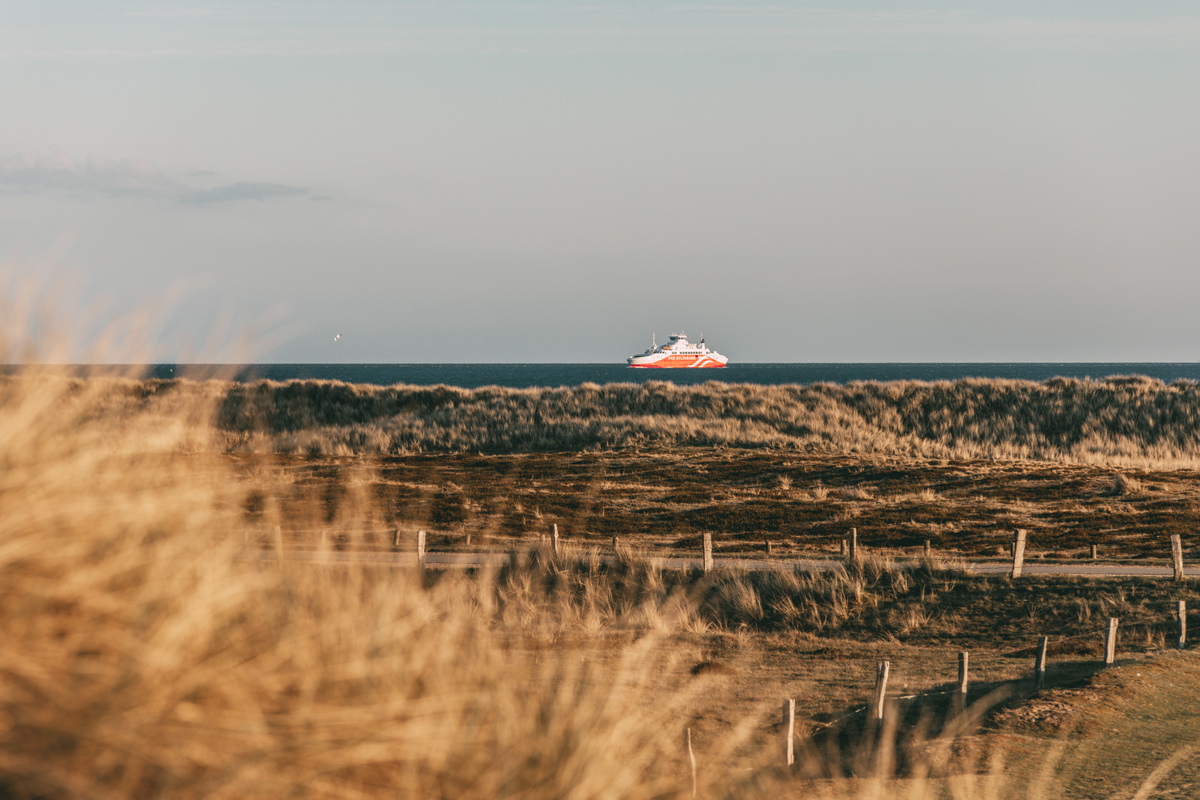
point(678, 353)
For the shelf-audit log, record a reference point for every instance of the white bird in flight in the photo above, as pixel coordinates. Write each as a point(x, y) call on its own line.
point(337, 337)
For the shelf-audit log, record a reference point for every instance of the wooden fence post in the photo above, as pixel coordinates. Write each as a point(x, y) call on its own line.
point(615, 543)
point(468, 538)
point(768, 544)
point(1039, 664)
point(692, 758)
point(1110, 642)
point(1018, 553)
point(554, 537)
point(960, 697)
point(421, 549)
point(853, 543)
point(789, 731)
point(926, 548)
point(396, 538)
point(1095, 552)
point(1177, 555)
point(1181, 613)
point(881, 679)
point(843, 550)
point(708, 556)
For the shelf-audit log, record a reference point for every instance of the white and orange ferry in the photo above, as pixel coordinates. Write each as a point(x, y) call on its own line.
point(680, 353)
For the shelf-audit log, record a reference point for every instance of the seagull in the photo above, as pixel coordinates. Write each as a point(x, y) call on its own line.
point(337, 337)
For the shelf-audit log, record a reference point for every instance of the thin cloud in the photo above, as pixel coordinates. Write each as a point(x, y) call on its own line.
point(94, 175)
point(125, 178)
point(243, 191)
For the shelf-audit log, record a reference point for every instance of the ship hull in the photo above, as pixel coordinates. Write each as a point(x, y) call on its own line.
point(675, 362)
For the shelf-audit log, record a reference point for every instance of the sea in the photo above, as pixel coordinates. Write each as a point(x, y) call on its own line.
point(523, 376)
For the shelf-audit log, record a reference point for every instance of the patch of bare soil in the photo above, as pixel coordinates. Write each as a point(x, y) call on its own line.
point(1050, 712)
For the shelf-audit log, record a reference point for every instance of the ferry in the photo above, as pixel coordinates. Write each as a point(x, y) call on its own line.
point(679, 353)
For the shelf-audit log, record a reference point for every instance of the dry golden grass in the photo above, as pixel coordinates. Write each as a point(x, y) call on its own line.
point(1128, 421)
point(1119, 420)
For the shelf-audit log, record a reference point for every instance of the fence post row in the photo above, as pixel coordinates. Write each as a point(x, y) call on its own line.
point(1018, 553)
point(1039, 665)
point(1110, 642)
point(1177, 555)
point(1181, 615)
point(964, 659)
point(708, 555)
point(789, 731)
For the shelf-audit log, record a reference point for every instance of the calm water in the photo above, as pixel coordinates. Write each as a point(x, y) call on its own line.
point(526, 375)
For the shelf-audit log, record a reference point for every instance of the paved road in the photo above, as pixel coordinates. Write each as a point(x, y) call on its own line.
point(443, 560)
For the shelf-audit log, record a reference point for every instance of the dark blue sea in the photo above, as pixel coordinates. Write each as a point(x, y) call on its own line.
point(527, 375)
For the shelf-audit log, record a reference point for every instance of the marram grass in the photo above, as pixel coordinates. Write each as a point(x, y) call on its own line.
point(1131, 421)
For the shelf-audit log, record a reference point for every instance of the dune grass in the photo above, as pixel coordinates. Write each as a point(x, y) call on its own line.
point(1117, 420)
point(1131, 421)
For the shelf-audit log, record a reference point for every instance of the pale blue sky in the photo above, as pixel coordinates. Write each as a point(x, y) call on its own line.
point(518, 182)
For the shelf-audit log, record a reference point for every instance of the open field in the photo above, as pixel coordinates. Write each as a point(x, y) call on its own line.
point(144, 657)
point(661, 501)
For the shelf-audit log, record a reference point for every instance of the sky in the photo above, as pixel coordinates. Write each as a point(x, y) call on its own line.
point(497, 182)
